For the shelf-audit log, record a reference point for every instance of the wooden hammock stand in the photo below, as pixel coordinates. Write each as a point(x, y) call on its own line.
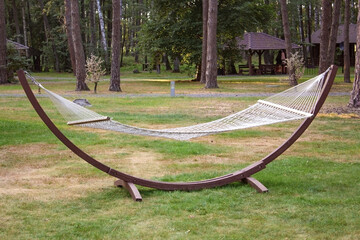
point(128, 181)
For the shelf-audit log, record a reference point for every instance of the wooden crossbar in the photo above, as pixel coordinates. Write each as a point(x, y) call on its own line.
point(285, 108)
point(90, 120)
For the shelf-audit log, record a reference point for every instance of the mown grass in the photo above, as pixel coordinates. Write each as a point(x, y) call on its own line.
point(48, 193)
point(146, 82)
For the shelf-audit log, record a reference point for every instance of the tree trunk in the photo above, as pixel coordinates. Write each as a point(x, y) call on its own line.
point(102, 29)
point(48, 37)
point(268, 57)
point(24, 26)
point(3, 73)
point(158, 68)
point(249, 62)
point(95, 86)
point(198, 73)
point(308, 13)
point(69, 34)
point(123, 44)
point(167, 62)
point(92, 27)
point(285, 21)
point(176, 65)
point(316, 17)
point(130, 32)
point(78, 47)
point(29, 23)
point(333, 32)
point(126, 36)
point(302, 33)
point(36, 58)
point(109, 27)
point(138, 14)
point(16, 21)
point(346, 42)
point(325, 34)
point(115, 46)
point(355, 93)
point(205, 7)
point(233, 68)
point(132, 24)
point(129, 41)
point(352, 13)
point(211, 55)
point(82, 17)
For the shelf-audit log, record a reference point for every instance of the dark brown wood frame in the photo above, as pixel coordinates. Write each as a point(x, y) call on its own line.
point(128, 181)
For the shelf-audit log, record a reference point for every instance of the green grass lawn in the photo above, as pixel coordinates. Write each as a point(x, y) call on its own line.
point(47, 192)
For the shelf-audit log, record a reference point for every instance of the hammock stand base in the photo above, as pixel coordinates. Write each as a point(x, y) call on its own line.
point(132, 189)
point(256, 184)
point(128, 181)
point(136, 196)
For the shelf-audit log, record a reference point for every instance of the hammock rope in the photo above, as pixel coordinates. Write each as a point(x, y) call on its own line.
point(293, 104)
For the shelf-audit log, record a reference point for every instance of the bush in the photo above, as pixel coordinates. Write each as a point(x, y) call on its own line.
point(296, 62)
point(94, 70)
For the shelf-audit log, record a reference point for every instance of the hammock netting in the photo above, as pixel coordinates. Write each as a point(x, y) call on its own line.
point(293, 104)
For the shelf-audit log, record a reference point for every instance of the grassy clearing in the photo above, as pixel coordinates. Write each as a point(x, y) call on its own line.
point(48, 193)
point(146, 82)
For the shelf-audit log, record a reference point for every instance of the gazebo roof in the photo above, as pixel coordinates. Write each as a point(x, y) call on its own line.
point(17, 45)
point(261, 41)
point(315, 36)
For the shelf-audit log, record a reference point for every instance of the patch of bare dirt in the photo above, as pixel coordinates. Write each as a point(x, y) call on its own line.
point(139, 163)
point(342, 111)
point(30, 171)
point(243, 150)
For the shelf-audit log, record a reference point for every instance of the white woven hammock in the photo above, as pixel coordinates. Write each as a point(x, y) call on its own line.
point(293, 104)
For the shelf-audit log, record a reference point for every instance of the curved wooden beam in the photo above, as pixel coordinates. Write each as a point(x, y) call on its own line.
point(209, 183)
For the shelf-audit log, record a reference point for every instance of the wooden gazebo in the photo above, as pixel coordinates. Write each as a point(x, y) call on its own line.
point(18, 46)
point(253, 42)
point(315, 45)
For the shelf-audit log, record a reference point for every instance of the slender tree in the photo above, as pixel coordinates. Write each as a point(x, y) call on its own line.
point(115, 46)
point(205, 9)
point(102, 26)
point(138, 16)
point(355, 93)
point(309, 23)
point(24, 26)
point(69, 34)
point(16, 21)
point(48, 36)
point(333, 33)
point(268, 56)
point(211, 55)
point(325, 34)
point(123, 32)
point(92, 26)
point(78, 47)
point(167, 62)
point(346, 42)
point(316, 17)
point(302, 32)
point(286, 27)
point(82, 17)
point(3, 74)
point(109, 26)
point(176, 65)
point(32, 35)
